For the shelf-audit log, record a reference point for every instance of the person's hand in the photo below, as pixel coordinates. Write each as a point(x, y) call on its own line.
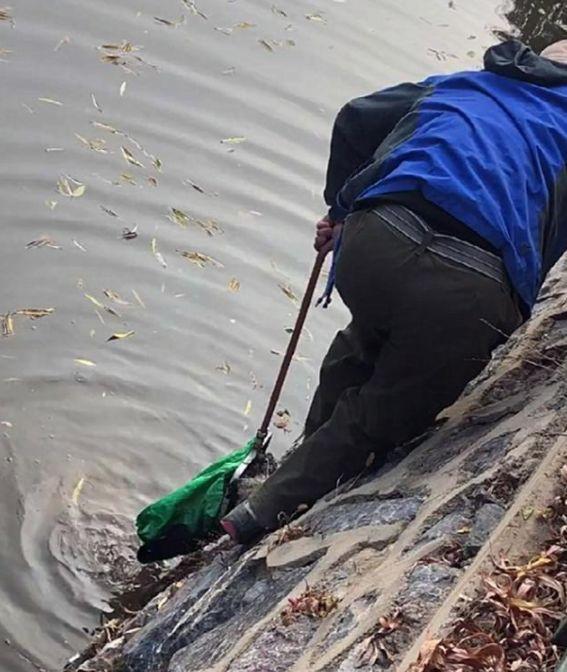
point(326, 232)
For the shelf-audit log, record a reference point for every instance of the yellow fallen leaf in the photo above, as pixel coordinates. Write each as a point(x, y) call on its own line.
point(84, 362)
point(233, 141)
point(7, 324)
point(96, 302)
point(51, 101)
point(71, 188)
point(248, 407)
point(119, 335)
point(51, 204)
point(288, 291)
point(77, 490)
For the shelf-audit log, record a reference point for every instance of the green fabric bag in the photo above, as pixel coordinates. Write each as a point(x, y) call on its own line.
point(197, 505)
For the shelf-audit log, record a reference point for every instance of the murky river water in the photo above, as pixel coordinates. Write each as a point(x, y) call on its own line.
point(221, 110)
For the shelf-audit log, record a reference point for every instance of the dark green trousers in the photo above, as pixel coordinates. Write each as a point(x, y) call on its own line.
point(422, 327)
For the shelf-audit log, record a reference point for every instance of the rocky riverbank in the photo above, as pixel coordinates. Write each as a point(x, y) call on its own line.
point(372, 574)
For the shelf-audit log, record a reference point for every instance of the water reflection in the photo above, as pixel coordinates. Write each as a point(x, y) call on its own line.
point(537, 22)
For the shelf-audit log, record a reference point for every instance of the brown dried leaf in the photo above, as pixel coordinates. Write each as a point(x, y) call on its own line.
point(200, 259)
point(130, 158)
point(224, 368)
point(34, 313)
point(287, 290)
point(7, 324)
point(233, 285)
point(179, 217)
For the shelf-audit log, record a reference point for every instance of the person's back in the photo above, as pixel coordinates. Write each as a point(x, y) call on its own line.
point(490, 149)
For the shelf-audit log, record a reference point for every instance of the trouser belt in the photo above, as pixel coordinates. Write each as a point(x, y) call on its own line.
point(411, 225)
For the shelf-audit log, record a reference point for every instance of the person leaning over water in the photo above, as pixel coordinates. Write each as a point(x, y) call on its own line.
point(454, 196)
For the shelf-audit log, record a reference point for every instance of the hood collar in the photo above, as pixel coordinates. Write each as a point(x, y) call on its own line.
point(516, 60)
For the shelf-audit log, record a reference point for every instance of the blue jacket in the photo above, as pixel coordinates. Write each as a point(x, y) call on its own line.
point(487, 148)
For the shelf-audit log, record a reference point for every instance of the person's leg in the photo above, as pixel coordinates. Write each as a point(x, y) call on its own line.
point(443, 321)
point(348, 363)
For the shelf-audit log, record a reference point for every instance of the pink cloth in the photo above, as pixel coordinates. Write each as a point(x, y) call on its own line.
point(556, 52)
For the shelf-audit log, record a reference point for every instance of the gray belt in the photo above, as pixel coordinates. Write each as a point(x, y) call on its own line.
point(461, 252)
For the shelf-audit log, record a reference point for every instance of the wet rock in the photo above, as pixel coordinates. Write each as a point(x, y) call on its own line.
point(350, 515)
point(242, 598)
point(277, 648)
point(448, 526)
point(486, 455)
point(428, 583)
point(486, 519)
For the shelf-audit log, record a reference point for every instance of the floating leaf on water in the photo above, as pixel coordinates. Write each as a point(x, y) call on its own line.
point(84, 362)
point(233, 285)
point(153, 182)
point(27, 108)
point(5, 14)
point(195, 186)
point(122, 89)
point(62, 42)
point(278, 11)
point(115, 296)
point(210, 226)
point(129, 234)
point(51, 204)
point(229, 71)
point(158, 255)
point(96, 145)
point(243, 25)
point(248, 407)
point(53, 149)
point(168, 23)
point(108, 211)
point(282, 420)
point(77, 244)
point(233, 141)
point(179, 217)
point(94, 300)
point(200, 259)
point(7, 324)
point(316, 17)
point(95, 103)
point(288, 291)
point(157, 164)
point(224, 31)
point(138, 298)
point(105, 127)
point(50, 101)
point(77, 489)
point(267, 45)
point(34, 313)
point(6, 423)
point(224, 368)
point(120, 335)
point(71, 188)
point(129, 179)
point(130, 158)
point(43, 241)
point(192, 7)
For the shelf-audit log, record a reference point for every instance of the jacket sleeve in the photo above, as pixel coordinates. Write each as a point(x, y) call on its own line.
point(359, 129)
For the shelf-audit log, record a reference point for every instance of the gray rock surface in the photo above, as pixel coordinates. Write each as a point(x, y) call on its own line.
point(350, 515)
point(486, 519)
